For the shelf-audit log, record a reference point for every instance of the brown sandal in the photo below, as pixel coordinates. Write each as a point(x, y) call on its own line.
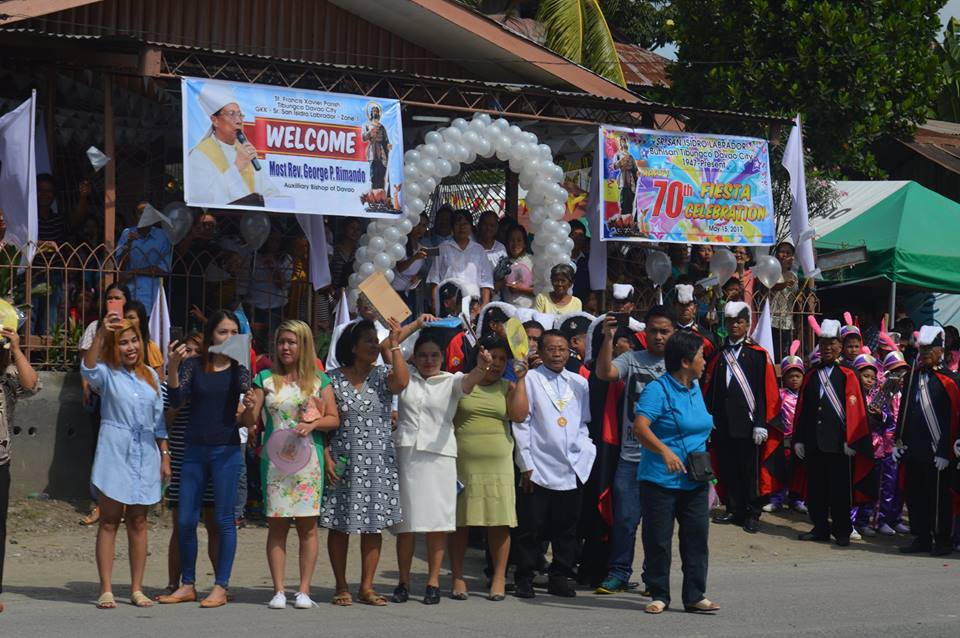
point(342, 599)
point(91, 518)
point(371, 598)
point(705, 606)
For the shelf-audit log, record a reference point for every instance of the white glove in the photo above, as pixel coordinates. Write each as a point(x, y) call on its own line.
point(898, 453)
point(956, 448)
point(760, 435)
point(799, 450)
point(940, 463)
point(849, 451)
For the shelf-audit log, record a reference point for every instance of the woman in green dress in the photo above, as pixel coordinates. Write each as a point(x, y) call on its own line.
point(485, 465)
point(294, 395)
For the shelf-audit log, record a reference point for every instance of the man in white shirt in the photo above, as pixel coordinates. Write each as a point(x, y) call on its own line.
point(555, 455)
point(463, 259)
point(220, 167)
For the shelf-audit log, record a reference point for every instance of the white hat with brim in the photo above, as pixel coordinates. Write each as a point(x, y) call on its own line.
point(214, 96)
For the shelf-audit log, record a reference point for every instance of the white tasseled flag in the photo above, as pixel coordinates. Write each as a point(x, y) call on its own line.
point(313, 230)
point(800, 229)
point(160, 322)
point(342, 315)
point(763, 331)
point(18, 178)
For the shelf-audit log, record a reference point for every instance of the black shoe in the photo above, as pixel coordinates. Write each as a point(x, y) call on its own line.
point(814, 535)
point(843, 541)
point(400, 594)
point(431, 595)
point(941, 549)
point(751, 525)
point(728, 519)
point(524, 589)
point(558, 586)
point(916, 547)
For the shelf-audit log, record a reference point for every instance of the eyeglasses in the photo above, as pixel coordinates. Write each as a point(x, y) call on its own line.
point(231, 114)
point(555, 350)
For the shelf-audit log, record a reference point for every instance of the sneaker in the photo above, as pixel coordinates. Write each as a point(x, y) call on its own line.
point(900, 528)
point(771, 507)
point(855, 536)
point(279, 601)
point(800, 507)
point(866, 532)
point(304, 601)
point(612, 585)
point(885, 530)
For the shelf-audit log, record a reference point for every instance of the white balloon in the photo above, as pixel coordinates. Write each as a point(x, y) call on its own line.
point(412, 171)
point(554, 173)
point(427, 167)
point(415, 204)
point(389, 274)
point(484, 148)
point(412, 189)
point(429, 151)
point(392, 235)
point(373, 230)
point(563, 228)
point(471, 139)
point(538, 216)
point(452, 134)
point(411, 156)
point(568, 245)
point(556, 211)
point(353, 296)
point(361, 255)
point(448, 151)
point(430, 182)
point(521, 151)
point(545, 151)
point(454, 169)
point(460, 123)
point(501, 124)
point(516, 164)
point(413, 219)
point(502, 153)
point(530, 138)
point(443, 167)
point(478, 125)
point(433, 138)
point(397, 251)
point(377, 245)
point(354, 280)
point(549, 226)
point(483, 117)
point(516, 132)
point(382, 261)
point(463, 151)
point(366, 269)
point(405, 226)
point(553, 248)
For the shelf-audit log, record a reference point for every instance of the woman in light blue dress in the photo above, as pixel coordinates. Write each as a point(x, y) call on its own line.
point(132, 459)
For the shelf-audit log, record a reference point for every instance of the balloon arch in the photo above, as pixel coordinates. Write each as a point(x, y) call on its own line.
point(441, 155)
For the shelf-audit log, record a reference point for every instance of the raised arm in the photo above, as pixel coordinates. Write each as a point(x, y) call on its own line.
point(605, 368)
point(475, 376)
point(26, 375)
point(399, 375)
point(518, 406)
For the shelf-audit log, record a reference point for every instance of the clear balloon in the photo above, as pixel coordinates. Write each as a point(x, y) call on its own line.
point(389, 274)
point(444, 168)
point(181, 221)
point(397, 252)
point(471, 140)
point(452, 134)
point(366, 269)
point(521, 151)
point(430, 183)
point(434, 138)
point(460, 123)
point(501, 124)
point(405, 226)
point(411, 171)
point(484, 147)
point(483, 117)
point(427, 167)
point(392, 235)
point(448, 151)
point(411, 156)
point(658, 267)
point(767, 270)
point(722, 265)
point(361, 255)
point(255, 228)
point(412, 189)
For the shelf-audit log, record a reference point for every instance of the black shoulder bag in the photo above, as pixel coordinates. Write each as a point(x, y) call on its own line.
point(698, 464)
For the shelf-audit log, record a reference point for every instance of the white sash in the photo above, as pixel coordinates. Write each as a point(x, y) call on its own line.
point(831, 393)
point(741, 378)
point(929, 414)
point(559, 401)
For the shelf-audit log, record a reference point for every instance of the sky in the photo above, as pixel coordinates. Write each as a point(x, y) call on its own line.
point(951, 9)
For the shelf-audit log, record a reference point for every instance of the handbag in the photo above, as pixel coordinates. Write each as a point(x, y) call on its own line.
point(699, 467)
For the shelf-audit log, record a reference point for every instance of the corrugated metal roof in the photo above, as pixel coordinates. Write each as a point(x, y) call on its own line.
point(309, 30)
point(642, 67)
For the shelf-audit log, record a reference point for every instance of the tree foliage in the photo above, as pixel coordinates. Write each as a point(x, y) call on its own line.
point(948, 104)
point(855, 71)
point(646, 23)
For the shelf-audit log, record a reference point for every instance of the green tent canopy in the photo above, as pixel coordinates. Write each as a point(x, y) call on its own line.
point(912, 234)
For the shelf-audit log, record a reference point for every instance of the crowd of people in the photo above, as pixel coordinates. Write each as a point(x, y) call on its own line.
point(611, 423)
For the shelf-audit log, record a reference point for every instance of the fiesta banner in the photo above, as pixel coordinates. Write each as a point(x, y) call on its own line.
point(665, 186)
point(260, 147)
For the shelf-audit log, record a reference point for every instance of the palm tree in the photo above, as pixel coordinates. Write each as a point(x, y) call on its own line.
point(948, 104)
point(577, 30)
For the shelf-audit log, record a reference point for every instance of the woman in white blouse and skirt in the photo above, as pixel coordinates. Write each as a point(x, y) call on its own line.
point(427, 459)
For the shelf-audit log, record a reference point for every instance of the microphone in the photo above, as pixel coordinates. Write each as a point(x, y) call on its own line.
point(243, 140)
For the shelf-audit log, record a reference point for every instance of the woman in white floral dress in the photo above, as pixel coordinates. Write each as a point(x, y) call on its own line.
point(294, 395)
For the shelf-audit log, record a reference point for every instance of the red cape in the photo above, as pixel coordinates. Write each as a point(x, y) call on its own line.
point(863, 481)
point(773, 472)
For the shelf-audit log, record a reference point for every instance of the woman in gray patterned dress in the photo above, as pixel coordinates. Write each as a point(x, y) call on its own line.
point(364, 498)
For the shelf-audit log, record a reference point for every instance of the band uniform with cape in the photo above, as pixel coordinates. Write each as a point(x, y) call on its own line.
point(736, 410)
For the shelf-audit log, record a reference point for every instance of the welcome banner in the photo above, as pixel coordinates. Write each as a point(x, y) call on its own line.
point(663, 186)
point(260, 147)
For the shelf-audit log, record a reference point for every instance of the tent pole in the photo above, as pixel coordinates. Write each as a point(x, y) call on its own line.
point(893, 305)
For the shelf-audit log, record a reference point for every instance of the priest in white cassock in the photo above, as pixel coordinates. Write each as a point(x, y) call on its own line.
point(220, 167)
point(555, 455)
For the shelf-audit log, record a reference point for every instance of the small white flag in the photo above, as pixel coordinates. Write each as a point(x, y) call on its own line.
point(799, 214)
point(160, 322)
point(763, 331)
point(98, 159)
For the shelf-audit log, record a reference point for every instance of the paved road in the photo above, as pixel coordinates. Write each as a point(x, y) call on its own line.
point(768, 585)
